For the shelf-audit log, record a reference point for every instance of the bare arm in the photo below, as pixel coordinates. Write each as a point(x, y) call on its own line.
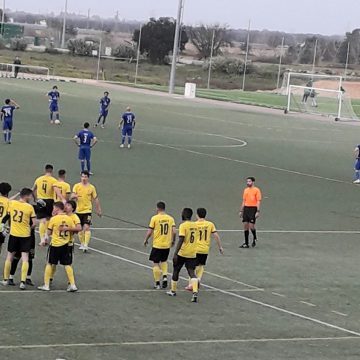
point(121, 122)
point(34, 192)
point(173, 236)
point(218, 241)
point(76, 139)
point(178, 247)
point(98, 207)
point(356, 152)
point(149, 234)
point(13, 102)
point(94, 142)
point(59, 194)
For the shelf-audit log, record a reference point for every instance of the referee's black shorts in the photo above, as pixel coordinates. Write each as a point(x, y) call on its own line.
point(249, 214)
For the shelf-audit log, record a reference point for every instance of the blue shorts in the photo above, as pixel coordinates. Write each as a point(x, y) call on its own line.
point(84, 153)
point(127, 130)
point(104, 112)
point(54, 107)
point(7, 125)
point(357, 165)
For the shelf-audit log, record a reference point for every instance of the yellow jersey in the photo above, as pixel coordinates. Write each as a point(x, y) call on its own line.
point(86, 194)
point(203, 236)
point(4, 206)
point(64, 188)
point(44, 187)
point(60, 237)
point(76, 221)
point(189, 247)
point(162, 226)
point(21, 214)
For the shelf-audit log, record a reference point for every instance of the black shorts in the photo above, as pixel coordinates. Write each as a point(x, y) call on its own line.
point(85, 219)
point(249, 214)
point(2, 238)
point(46, 211)
point(190, 263)
point(60, 254)
point(32, 248)
point(19, 244)
point(201, 259)
point(159, 255)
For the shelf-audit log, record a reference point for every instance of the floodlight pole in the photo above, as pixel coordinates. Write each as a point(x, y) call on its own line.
point(99, 60)
point(315, 53)
point(347, 60)
point(64, 26)
point(246, 56)
point(176, 48)
point(138, 55)
point(211, 58)
point(280, 62)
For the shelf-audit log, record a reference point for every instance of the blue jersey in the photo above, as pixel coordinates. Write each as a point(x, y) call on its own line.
point(128, 119)
point(104, 103)
point(85, 137)
point(54, 96)
point(8, 112)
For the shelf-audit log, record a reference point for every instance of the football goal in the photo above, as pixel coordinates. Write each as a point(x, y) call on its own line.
point(24, 71)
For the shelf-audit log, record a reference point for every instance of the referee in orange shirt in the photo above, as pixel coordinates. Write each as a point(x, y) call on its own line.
point(250, 211)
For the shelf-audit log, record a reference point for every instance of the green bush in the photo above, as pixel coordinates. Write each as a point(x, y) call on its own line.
point(229, 66)
point(81, 47)
point(18, 44)
point(125, 51)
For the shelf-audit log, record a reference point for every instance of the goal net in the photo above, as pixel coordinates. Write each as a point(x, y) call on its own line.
point(325, 102)
point(24, 72)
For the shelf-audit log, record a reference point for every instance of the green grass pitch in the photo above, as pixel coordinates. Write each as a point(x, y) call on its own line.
point(296, 296)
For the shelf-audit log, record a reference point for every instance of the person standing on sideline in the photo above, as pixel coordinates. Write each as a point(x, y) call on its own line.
point(85, 140)
point(357, 164)
point(250, 210)
point(104, 109)
point(128, 124)
point(17, 61)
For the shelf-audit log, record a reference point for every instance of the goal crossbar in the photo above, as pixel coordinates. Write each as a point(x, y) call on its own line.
point(32, 68)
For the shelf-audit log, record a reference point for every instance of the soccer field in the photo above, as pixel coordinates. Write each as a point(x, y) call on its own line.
point(295, 296)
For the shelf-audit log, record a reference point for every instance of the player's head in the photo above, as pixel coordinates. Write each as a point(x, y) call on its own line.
point(5, 189)
point(26, 194)
point(49, 168)
point(128, 109)
point(70, 206)
point(86, 125)
point(85, 177)
point(201, 213)
point(7, 101)
point(55, 87)
point(62, 174)
point(250, 181)
point(58, 208)
point(186, 214)
point(160, 206)
point(106, 93)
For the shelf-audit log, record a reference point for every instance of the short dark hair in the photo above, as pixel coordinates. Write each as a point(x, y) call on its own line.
point(85, 172)
point(161, 205)
point(55, 87)
point(5, 188)
point(72, 203)
point(59, 205)
point(187, 214)
point(201, 212)
point(86, 125)
point(25, 192)
point(251, 178)
point(49, 167)
point(62, 172)
point(7, 101)
point(106, 92)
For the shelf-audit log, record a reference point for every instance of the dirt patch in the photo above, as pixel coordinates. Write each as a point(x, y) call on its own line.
point(352, 88)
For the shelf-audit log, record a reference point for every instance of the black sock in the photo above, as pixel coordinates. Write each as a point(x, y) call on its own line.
point(99, 119)
point(246, 234)
point(253, 231)
point(30, 268)
point(14, 265)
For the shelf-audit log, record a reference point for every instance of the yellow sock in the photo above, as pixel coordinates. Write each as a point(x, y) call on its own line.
point(156, 273)
point(195, 285)
point(70, 274)
point(199, 271)
point(87, 236)
point(24, 270)
point(48, 274)
point(42, 230)
point(7, 269)
point(81, 237)
point(53, 271)
point(164, 268)
point(173, 285)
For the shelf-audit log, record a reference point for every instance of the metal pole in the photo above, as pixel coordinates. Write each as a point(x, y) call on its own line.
point(211, 58)
point(347, 60)
point(64, 26)
point(175, 49)
point(280, 63)
point(88, 19)
point(99, 59)
point(314, 61)
point(246, 56)
point(180, 32)
point(138, 55)
point(3, 19)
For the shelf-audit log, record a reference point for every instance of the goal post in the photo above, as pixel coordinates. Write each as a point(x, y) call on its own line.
point(24, 71)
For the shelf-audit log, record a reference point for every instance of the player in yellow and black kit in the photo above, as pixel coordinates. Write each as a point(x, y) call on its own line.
point(44, 195)
point(60, 229)
point(162, 229)
point(62, 189)
point(185, 254)
point(5, 189)
point(21, 215)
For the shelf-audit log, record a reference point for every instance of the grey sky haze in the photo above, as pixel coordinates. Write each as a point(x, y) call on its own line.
point(303, 16)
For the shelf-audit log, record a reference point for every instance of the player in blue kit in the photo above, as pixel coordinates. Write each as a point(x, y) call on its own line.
point(128, 124)
point(104, 109)
point(54, 97)
point(85, 140)
point(357, 164)
point(6, 115)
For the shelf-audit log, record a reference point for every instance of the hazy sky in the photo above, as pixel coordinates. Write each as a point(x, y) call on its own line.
point(310, 16)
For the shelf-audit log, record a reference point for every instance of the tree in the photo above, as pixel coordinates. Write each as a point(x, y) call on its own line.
point(202, 36)
point(353, 40)
point(157, 39)
point(81, 47)
point(307, 51)
point(6, 19)
point(330, 50)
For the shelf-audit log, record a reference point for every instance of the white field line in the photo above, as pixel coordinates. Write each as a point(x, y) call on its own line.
point(307, 303)
point(339, 313)
point(176, 342)
point(277, 294)
point(260, 303)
